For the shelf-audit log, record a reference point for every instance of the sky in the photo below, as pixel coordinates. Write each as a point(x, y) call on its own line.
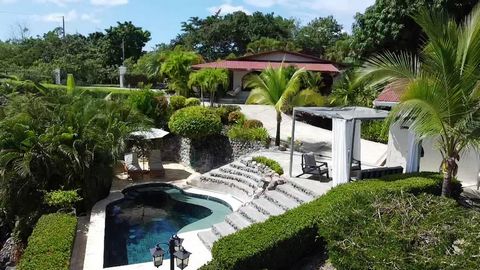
point(161, 17)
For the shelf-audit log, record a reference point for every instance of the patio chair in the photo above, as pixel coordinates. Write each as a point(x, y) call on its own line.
point(311, 166)
point(133, 166)
point(155, 164)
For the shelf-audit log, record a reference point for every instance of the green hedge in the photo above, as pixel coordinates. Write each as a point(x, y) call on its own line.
point(282, 240)
point(225, 110)
point(240, 133)
point(401, 231)
point(195, 122)
point(192, 102)
point(50, 245)
point(272, 164)
point(376, 131)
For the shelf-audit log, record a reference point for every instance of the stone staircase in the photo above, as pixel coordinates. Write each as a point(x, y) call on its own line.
point(244, 179)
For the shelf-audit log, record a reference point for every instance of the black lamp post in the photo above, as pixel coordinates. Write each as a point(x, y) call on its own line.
point(176, 251)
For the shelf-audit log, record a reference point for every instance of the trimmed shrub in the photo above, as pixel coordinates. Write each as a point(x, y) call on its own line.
point(269, 245)
point(177, 102)
point(192, 102)
point(150, 103)
point(50, 245)
point(272, 164)
point(225, 110)
point(252, 124)
point(195, 122)
point(376, 131)
point(240, 133)
point(62, 198)
point(401, 231)
point(236, 117)
point(70, 84)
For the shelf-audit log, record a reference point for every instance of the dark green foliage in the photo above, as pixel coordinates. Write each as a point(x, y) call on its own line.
point(240, 133)
point(57, 141)
point(192, 102)
point(236, 118)
point(376, 131)
point(252, 123)
point(177, 103)
point(216, 37)
point(401, 231)
point(270, 244)
point(225, 110)
point(62, 199)
point(50, 245)
point(272, 164)
point(318, 35)
point(150, 103)
point(387, 24)
point(195, 122)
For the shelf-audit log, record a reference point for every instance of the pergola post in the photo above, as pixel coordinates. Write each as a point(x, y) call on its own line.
point(292, 144)
point(413, 155)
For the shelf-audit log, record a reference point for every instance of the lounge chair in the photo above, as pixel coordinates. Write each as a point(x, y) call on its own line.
point(380, 172)
point(133, 166)
point(311, 166)
point(235, 91)
point(155, 164)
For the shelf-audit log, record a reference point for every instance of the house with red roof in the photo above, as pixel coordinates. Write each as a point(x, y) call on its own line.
point(241, 67)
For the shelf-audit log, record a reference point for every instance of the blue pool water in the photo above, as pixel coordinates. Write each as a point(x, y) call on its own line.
point(150, 214)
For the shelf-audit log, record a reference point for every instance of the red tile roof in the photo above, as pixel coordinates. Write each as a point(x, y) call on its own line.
point(389, 94)
point(258, 65)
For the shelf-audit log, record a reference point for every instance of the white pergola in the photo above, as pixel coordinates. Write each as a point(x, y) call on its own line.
point(346, 127)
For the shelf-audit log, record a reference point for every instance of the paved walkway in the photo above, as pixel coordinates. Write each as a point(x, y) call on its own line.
point(314, 138)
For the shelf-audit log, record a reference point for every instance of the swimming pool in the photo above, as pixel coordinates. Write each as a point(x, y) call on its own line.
point(150, 214)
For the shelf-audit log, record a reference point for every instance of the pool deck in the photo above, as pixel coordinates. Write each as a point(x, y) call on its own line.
point(94, 255)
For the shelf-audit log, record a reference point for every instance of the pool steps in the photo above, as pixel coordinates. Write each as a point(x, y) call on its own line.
point(242, 180)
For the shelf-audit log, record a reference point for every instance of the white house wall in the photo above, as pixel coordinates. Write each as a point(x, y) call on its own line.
point(469, 164)
point(237, 78)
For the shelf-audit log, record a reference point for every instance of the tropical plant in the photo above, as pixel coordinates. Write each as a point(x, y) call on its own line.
point(195, 122)
point(70, 84)
point(177, 68)
point(442, 93)
point(209, 79)
point(351, 92)
point(274, 87)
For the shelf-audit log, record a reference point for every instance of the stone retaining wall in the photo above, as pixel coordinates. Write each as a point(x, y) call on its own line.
point(206, 154)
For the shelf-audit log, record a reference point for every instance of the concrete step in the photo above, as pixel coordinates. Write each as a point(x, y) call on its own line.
point(207, 238)
point(235, 177)
point(237, 220)
point(310, 189)
point(280, 199)
point(267, 207)
point(222, 229)
point(241, 166)
point(253, 176)
point(294, 193)
point(251, 213)
point(226, 182)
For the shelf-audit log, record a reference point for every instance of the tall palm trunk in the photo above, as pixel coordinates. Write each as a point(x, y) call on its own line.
point(449, 167)
point(212, 97)
point(277, 136)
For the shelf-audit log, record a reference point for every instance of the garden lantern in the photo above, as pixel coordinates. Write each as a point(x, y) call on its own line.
point(181, 257)
point(157, 255)
point(177, 253)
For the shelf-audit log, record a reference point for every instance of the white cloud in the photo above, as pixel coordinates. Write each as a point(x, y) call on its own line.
point(60, 3)
point(227, 8)
point(324, 6)
point(72, 15)
point(108, 2)
point(7, 1)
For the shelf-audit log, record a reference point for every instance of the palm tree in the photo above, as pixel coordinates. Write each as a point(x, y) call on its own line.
point(442, 90)
point(177, 66)
point(209, 79)
point(274, 87)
